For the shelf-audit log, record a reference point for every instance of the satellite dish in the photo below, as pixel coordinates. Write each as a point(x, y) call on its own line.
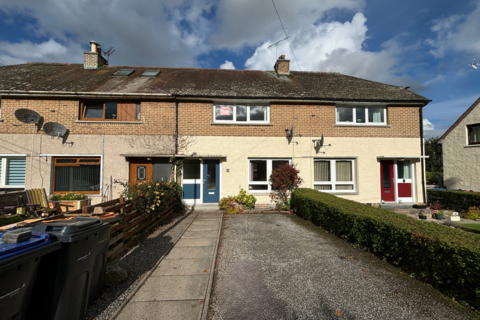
point(292, 133)
point(27, 116)
point(54, 129)
point(320, 143)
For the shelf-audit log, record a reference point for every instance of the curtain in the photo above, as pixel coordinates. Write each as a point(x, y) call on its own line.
point(322, 171)
point(375, 114)
point(77, 179)
point(344, 170)
point(344, 187)
point(404, 169)
point(324, 187)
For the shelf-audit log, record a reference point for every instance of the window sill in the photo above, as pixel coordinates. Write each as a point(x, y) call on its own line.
point(241, 124)
point(340, 192)
point(361, 125)
point(259, 192)
point(116, 122)
point(472, 146)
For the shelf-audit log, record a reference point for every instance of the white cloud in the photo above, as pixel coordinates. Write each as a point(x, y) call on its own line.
point(227, 65)
point(334, 47)
point(427, 125)
point(51, 50)
point(456, 33)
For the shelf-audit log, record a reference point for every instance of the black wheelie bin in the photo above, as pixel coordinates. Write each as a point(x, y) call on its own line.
point(64, 293)
point(100, 264)
point(19, 268)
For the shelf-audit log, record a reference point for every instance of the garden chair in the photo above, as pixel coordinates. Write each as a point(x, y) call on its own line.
point(38, 202)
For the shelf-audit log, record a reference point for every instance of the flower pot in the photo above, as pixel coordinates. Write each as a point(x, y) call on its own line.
point(452, 218)
point(420, 206)
point(439, 216)
point(77, 204)
point(422, 217)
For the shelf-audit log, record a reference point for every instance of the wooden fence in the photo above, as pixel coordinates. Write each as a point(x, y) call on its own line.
point(127, 227)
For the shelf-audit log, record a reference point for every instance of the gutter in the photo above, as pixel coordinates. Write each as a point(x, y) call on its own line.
point(80, 94)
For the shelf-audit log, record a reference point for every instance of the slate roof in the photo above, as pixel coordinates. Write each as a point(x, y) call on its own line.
point(190, 82)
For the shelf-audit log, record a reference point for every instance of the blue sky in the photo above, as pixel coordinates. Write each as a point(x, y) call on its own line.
point(427, 45)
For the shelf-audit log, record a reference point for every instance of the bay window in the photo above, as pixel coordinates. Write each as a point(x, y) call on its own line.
point(361, 115)
point(240, 114)
point(260, 171)
point(331, 175)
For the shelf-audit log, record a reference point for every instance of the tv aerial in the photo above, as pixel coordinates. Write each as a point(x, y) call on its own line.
point(27, 116)
point(276, 44)
point(108, 53)
point(55, 129)
point(474, 65)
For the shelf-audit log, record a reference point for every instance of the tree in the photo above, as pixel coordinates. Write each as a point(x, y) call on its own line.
point(284, 180)
point(433, 149)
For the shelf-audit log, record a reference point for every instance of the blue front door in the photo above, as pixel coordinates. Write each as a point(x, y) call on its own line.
point(211, 181)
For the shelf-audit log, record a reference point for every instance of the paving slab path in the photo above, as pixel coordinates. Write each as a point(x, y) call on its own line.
point(179, 287)
point(277, 266)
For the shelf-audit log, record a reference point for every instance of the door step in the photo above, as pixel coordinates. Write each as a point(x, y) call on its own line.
point(205, 207)
point(405, 205)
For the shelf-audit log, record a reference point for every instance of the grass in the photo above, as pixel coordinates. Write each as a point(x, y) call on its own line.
point(472, 226)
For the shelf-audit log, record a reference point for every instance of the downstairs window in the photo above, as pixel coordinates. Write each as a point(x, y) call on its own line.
point(80, 175)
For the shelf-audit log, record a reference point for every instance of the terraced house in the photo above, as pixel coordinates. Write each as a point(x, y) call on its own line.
point(358, 139)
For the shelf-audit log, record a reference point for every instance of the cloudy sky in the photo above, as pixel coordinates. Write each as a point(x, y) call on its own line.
point(427, 45)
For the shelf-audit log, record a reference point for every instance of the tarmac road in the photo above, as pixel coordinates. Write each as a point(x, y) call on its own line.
point(277, 266)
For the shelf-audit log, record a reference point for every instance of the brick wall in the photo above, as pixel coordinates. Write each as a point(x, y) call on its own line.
point(93, 60)
point(195, 119)
point(309, 120)
point(159, 118)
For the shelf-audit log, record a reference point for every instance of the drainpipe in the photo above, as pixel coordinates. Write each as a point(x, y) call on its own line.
point(176, 123)
point(421, 153)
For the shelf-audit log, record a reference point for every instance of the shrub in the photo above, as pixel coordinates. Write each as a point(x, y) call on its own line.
point(436, 205)
point(245, 199)
point(284, 180)
point(229, 205)
point(431, 177)
point(472, 213)
point(153, 196)
point(453, 198)
point(68, 196)
point(447, 258)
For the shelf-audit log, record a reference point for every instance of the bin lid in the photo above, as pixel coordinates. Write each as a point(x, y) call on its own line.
point(38, 239)
point(64, 229)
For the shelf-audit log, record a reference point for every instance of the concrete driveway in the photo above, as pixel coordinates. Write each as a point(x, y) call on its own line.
point(277, 266)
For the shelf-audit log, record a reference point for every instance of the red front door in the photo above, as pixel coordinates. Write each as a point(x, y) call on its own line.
point(386, 180)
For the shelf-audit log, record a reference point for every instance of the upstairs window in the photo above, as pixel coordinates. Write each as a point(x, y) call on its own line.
point(362, 115)
point(110, 111)
point(241, 114)
point(473, 133)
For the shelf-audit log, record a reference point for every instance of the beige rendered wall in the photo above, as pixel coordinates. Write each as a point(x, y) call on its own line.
point(239, 149)
point(461, 162)
point(39, 168)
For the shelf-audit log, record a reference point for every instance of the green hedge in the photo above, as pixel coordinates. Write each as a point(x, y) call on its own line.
point(448, 259)
point(455, 198)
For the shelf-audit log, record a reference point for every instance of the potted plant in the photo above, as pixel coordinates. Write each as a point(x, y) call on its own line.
point(439, 215)
point(76, 200)
point(436, 207)
point(422, 215)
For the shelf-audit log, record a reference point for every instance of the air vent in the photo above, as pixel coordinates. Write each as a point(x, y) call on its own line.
point(151, 73)
point(123, 72)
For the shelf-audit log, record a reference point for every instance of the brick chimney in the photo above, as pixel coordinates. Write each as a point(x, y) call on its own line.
point(282, 66)
point(94, 59)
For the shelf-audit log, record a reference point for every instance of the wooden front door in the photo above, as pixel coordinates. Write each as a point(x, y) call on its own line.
point(387, 181)
point(140, 170)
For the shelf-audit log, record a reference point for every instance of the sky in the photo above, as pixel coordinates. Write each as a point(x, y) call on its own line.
point(426, 45)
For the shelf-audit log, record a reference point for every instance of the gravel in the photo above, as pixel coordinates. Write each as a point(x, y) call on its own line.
point(278, 266)
point(140, 260)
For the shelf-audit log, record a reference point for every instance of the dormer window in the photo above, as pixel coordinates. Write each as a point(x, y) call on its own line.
point(361, 115)
point(241, 114)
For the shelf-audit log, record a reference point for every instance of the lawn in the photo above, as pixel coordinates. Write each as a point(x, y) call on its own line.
point(472, 226)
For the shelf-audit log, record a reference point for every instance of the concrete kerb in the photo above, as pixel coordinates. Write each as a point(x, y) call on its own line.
point(140, 284)
point(212, 273)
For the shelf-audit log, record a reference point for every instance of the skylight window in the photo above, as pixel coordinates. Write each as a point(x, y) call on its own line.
point(151, 73)
point(123, 72)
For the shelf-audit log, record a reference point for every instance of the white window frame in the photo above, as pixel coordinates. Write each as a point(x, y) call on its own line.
point(3, 173)
point(248, 105)
point(366, 123)
point(269, 172)
point(333, 176)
